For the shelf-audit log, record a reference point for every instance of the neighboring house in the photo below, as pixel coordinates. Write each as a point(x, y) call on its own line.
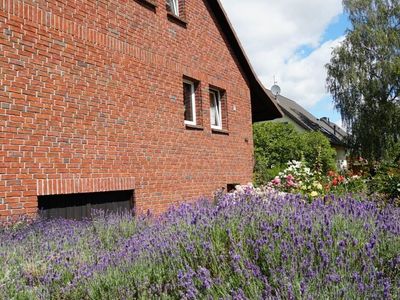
point(305, 121)
point(108, 104)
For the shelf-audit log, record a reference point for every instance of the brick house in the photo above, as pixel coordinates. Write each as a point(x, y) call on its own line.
point(123, 102)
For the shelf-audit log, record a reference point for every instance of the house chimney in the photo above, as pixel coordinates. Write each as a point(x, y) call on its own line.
point(325, 119)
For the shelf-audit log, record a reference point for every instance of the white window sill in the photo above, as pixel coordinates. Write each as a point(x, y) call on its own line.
point(190, 123)
point(216, 127)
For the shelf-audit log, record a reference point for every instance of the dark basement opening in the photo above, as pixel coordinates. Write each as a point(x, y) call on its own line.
point(230, 187)
point(80, 206)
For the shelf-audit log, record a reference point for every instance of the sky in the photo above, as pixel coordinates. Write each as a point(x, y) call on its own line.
point(291, 41)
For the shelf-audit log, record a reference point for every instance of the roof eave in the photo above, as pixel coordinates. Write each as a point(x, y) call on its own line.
point(263, 106)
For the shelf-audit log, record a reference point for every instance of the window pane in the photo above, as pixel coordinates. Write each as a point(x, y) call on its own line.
point(187, 96)
point(215, 110)
point(173, 7)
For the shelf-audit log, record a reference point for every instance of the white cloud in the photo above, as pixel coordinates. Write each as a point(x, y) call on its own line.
point(272, 32)
point(303, 79)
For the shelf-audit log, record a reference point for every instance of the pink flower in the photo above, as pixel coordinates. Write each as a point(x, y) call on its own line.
point(290, 183)
point(290, 177)
point(276, 181)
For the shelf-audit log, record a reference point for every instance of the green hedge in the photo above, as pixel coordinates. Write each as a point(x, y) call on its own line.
point(277, 143)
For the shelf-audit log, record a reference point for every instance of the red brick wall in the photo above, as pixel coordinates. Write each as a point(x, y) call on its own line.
point(91, 100)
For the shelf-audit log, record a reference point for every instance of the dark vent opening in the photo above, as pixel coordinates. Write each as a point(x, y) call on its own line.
point(80, 206)
point(230, 187)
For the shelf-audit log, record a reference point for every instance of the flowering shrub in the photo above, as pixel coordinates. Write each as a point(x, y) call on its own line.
point(298, 178)
point(249, 191)
point(346, 184)
point(244, 247)
point(335, 179)
point(386, 182)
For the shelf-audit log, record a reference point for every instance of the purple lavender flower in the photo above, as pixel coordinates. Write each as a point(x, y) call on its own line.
point(205, 277)
point(333, 278)
point(242, 247)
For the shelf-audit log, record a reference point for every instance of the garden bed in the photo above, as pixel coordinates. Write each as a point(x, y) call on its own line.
point(244, 246)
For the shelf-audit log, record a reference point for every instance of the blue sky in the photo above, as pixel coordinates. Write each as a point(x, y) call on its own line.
point(336, 29)
point(291, 40)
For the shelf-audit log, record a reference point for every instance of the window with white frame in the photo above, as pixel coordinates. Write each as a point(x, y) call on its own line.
point(215, 109)
point(173, 7)
point(189, 99)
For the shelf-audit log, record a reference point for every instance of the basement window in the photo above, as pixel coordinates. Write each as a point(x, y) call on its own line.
point(80, 206)
point(231, 187)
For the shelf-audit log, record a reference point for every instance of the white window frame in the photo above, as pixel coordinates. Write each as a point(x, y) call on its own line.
point(217, 97)
point(193, 100)
point(174, 6)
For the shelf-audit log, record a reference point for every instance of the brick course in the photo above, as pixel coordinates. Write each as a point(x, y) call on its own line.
point(91, 100)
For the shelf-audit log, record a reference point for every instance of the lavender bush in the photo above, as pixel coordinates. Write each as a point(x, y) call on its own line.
point(243, 247)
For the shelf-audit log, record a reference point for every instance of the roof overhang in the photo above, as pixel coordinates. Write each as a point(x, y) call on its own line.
point(263, 106)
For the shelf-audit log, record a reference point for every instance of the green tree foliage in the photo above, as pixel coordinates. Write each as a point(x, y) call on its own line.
point(277, 143)
point(317, 151)
point(364, 76)
point(385, 184)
